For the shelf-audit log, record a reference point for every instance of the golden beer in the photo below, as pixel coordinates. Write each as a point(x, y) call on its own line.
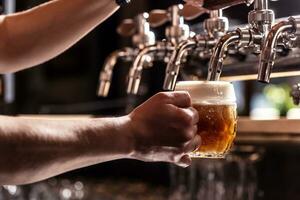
point(215, 103)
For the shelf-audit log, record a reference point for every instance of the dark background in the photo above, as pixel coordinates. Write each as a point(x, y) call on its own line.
point(68, 84)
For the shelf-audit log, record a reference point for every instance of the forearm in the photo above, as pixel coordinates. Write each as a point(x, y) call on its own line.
point(32, 150)
point(37, 35)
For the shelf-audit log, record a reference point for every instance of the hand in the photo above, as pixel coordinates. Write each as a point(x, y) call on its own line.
point(165, 129)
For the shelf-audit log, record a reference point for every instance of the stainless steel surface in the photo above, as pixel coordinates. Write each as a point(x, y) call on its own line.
point(214, 27)
point(141, 38)
point(178, 30)
point(217, 59)
point(261, 5)
point(108, 68)
point(136, 70)
point(8, 81)
point(173, 66)
point(242, 70)
point(175, 33)
point(250, 39)
point(269, 51)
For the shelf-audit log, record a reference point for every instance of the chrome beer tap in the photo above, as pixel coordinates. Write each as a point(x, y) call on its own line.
point(249, 39)
point(286, 34)
point(175, 33)
point(215, 27)
point(142, 36)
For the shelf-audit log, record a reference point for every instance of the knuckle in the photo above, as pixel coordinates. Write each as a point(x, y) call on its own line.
point(188, 134)
point(184, 96)
point(163, 95)
point(195, 113)
point(186, 118)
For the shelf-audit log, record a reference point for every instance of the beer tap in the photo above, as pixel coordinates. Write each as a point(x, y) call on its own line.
point(249, 39)
point(142, 36)
point(215, 27)
point(285, 33)
point(175, 33)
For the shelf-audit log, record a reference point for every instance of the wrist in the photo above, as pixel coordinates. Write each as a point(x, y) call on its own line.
point(107, 138)
point(126, 139)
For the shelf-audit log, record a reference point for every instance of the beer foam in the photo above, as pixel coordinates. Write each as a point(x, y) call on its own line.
point(209, 92)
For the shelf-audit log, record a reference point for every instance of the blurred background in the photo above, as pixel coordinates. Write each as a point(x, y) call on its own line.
point(68, 85)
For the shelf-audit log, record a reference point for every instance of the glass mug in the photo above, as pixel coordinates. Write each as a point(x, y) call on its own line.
point(215, 102)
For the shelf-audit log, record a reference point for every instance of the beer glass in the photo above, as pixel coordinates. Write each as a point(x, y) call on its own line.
point(215, 102)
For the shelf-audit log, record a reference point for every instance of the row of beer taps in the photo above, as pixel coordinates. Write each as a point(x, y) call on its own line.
point(262, 36)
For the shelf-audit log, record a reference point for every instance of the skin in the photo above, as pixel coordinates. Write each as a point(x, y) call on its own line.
point(162, 129)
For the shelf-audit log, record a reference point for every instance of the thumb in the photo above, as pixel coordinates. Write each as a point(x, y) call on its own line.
point(184, 161)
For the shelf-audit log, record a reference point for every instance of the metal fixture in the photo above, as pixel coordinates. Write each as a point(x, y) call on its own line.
point(215, 27)
point(295, 94)
point(142, 36)
point(175, 33)
point(285, 33)
point(249, 39)
point(8, 80)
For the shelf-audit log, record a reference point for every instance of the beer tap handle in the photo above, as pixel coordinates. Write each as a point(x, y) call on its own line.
point(127, 28)
point(218, 4)
point(221, 4)
point(158, 17)
point(191, 11)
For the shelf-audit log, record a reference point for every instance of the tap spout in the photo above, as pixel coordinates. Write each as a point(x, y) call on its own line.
point(135, 73)
point(173, 66)
point(219, 54)
point(268, 55)
point(108, 67)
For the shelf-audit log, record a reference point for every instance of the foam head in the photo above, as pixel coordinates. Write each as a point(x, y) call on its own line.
point(208, 92)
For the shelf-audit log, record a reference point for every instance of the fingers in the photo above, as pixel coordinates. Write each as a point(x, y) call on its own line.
point(184, 161)
point(177, 138)
point(180, 99)
point(190, 116)
point(179, 156)
point(193, 145)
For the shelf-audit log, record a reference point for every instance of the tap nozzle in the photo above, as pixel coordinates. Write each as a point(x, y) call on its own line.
point(268, 55)
point(215, 27)
point(139, 29)
point(173, 66)
point(219, 54)
point(107, 72)
point(136, 70)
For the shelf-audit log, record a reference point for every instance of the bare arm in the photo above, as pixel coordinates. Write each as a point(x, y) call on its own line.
point(162, 129)
point(37, 35)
